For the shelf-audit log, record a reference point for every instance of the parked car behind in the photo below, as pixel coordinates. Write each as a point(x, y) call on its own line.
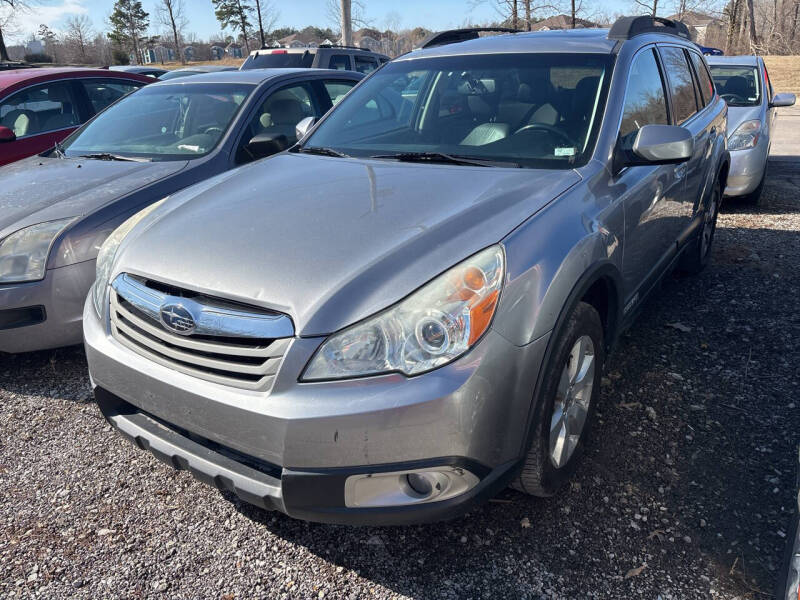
point(743, 82)
point(196, 70)
point(56, 210)
point(140, 69)
point(411, 308)
point(344, 58)
point(39, 107)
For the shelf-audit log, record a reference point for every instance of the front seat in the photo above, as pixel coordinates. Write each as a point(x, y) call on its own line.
point(63, 117)
point(284, 115)
point(21, 122)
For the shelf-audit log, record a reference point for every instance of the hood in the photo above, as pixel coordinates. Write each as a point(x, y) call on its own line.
point(41, 189)
point(330, 241)
point(739, 114)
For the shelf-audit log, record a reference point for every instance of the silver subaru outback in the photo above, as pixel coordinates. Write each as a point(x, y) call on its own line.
point(410, 309)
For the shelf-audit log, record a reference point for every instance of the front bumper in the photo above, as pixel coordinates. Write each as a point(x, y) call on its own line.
point(747, 169)
point(292, 449)
point(45, 314)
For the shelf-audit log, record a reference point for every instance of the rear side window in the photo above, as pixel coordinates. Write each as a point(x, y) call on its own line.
point(340, 62)
point(277, 59)
point(39, 109)
point(645, 102)
point(365, 64)
point(704, 79)
point(102, 92)
point(338, 90)
point(681, 85)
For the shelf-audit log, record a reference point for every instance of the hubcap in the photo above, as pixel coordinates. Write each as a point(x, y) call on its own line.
point(708, 226)
point(571, 405)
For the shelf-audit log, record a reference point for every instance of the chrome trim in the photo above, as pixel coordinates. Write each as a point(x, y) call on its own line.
point(210, 319)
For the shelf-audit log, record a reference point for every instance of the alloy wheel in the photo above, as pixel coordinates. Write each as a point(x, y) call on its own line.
point(571, 405)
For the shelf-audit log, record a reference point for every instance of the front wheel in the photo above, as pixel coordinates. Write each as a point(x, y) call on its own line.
point(570, 388)
point(698, 253)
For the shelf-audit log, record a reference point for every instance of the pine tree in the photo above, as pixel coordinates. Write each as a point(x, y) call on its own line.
point(129, 22)
point(234, 14)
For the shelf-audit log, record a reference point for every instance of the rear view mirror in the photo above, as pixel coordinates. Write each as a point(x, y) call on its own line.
point(784, 99)
point(266, 144)
point(301, 129)
point(7, 135)
point(661, 145)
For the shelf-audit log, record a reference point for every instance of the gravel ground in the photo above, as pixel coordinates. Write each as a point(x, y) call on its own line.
point(685, 492)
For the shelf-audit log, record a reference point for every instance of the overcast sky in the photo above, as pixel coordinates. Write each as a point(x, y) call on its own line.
point(433, 14)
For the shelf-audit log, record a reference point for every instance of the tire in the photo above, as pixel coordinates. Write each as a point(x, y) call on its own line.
point(698, 253)
point(754, 197)
point(548, 466)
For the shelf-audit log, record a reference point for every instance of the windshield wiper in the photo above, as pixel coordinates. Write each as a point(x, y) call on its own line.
point(109, 156)
point(59, 151)
point(322, 151)
point(442, 157)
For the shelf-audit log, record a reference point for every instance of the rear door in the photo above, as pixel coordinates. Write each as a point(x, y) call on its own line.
point(40, 115)
point(651, 194)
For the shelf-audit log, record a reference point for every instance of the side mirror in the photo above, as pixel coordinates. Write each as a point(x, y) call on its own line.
point(301, 129)
point(7, 135)
point(267, 144)
point(784, 99)
point(661, 145)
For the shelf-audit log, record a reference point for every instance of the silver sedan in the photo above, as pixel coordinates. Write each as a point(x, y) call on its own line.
point(743, 82)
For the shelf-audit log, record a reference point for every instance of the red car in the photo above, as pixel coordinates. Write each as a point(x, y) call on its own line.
point(39, 107)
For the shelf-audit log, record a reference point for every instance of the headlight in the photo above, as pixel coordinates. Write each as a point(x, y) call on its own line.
point(23, 254)
point(105, 257)
point(745, 136)
point(432, 327)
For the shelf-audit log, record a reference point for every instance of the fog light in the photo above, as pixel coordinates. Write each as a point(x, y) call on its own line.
point(401, 488)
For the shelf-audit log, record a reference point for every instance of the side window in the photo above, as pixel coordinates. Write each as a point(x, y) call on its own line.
point(681, 85)
point(338, 89)
point(703, 77)
point(645, 102)
point(279, 114)
point(365, 64)
point(340, 62)
point(102, 92)
point(382, 60)
point(39, 109)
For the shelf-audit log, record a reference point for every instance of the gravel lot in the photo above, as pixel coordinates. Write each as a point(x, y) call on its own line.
point(685, 492)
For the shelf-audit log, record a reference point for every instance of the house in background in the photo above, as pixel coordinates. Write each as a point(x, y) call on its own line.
point(301, 40)
point(233, 50)
point(157, 54)
point(188, 53)
point(34, 47)
point(368, 40)
point(702, 26)
point(561, 22)
point(217, 50)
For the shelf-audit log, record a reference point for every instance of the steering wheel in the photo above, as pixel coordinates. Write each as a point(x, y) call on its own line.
point(549, 128)
point(212, 129)
point(735, 98)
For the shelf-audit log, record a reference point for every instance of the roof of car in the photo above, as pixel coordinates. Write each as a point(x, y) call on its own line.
point(744, 60)
point(14, 76)
point(206, 68)
point(252, 76)
point(580, 40)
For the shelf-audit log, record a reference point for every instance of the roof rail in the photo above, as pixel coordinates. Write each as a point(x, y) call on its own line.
point(625, 28)
point(453, 36)
point(343, 46)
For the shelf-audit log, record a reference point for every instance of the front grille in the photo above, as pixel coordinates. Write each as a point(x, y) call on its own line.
point(232, 344)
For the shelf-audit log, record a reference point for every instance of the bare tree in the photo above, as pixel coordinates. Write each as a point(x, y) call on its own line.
point(651, 6)
point(8, 10)
point(172, 15)
point(78, 34)
point(335, 13)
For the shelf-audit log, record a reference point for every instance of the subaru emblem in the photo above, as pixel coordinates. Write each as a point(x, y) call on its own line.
point(177, 319)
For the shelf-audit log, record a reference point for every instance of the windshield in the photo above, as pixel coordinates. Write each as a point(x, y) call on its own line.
point(738, 86)
point(278, 59)
point(532, 110)
point(162, 122)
